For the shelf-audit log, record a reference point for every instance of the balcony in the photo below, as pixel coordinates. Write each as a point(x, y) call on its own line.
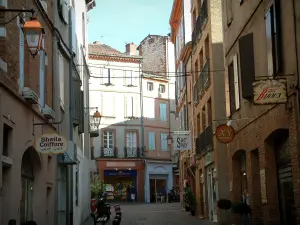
point(204, 141)
point(201, 21)
point(203, 82)
point(109, 152)
point(134, 152)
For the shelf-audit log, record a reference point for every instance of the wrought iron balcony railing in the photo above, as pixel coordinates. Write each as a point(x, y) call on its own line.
point(134, 152)
point(203, 81)
point(201, 20)
point(109, 152)
point(205, 140)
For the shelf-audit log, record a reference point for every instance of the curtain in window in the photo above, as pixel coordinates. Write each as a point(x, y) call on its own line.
point(108, 139)
point(131, 139)
point(151, 140)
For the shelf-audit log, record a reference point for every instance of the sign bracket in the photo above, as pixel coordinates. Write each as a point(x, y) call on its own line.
point(45, 123)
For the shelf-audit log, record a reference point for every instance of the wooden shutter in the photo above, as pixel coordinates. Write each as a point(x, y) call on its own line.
point(231, 88)
point(247, 66)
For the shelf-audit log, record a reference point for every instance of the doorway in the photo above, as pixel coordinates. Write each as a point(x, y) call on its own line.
point(285, 180)
point(211, 193)
point(156, 187)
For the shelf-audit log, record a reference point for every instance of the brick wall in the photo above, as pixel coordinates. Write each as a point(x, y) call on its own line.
point(9, 50)
point(153, 51)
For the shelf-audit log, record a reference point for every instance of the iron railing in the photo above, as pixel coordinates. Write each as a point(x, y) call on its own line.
point(109, 152)
point(134, 152)
point(201, 20)
point(205, 140)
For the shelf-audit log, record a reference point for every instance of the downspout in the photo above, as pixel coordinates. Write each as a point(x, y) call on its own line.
point(143, 132)
point(71, 102)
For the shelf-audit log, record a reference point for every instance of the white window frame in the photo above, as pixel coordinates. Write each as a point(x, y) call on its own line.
point(236, 82)
point(150, 86)
point(107, 136)
point(162, 87)
point(131, 139)
point(61, 80)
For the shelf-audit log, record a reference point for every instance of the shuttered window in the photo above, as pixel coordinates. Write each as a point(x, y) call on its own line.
point(231, 88)
point(81, 113)
point(247, 66)
point(151, 140)
point(273, 40)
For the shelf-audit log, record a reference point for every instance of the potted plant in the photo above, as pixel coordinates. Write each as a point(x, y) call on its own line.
point(186, 201)
point(192, 203)
point(97, 188)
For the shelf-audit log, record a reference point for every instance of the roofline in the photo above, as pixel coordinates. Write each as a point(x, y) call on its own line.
point(156, 35)
point(118, 56)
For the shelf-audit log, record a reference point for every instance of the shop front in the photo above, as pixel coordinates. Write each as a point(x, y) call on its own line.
point(122, 178)
point(159, 178)
point(120, 184)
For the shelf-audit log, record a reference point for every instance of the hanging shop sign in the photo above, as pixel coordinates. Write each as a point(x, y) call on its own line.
point(51, 144)
point(270, 91)
point(182, 141)
point(225, 134)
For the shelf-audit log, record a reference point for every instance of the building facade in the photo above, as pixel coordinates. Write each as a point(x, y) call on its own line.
point(158, 97)
point(261, 41)
point(181, 35)
point(115, 89)
point(27, 178)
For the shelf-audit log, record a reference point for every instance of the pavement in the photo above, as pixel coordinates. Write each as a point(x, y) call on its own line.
point(155, 214)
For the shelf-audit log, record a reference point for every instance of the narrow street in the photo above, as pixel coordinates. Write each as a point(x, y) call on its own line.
point(156, 214)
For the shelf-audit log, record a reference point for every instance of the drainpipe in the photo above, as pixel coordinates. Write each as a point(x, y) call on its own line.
point(143, 132)
point(70, 168)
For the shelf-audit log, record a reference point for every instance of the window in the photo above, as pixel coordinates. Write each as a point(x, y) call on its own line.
point(207, 47)
point(7, 132)
point(196, 70)
point(21, 53)
point(162, 88)
point(61, 79)
point(209, 111)
point(203, 119)
point(74, 36)
point(106, 76)
point(129, 106)
point(149, 108)
point(149, 86)
point(273, 42)
point(77, 185)
point(151, 140)
point(42, 75)
point(131, 139)
point(198, 125)
point(231, 88)
point(83, 30)
point(108, 139)
point(236, 82)
point(108, 105)
point(229, 15)
point(163, 111)
point(130, 78)
point(164, 142)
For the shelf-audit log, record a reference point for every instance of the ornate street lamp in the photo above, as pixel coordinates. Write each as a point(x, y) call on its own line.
point(97, 118)
point(32, 29)
point(169, 139)
point(34, 33)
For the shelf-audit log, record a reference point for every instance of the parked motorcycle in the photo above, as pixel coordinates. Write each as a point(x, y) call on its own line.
point(173, 196)
point(102, 213)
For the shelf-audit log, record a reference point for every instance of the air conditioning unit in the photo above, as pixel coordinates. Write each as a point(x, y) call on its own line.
point(30, 96)
point(48, 113)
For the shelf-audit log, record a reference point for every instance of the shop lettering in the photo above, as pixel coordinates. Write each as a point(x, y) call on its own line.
point(225, 133)
point(265, 95)
point(182, 142)
point(51, 142)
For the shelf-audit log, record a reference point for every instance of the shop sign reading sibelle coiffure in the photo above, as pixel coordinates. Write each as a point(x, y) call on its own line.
point(51, 144)
point(182, 141)
point(270, 91)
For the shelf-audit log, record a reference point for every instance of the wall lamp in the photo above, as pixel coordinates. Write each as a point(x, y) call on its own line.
point(96, 116)
point(32, 29)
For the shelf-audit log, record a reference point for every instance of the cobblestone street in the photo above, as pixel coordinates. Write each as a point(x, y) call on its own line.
point(156, 214)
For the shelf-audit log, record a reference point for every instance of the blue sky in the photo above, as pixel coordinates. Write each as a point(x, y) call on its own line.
point(116, 22)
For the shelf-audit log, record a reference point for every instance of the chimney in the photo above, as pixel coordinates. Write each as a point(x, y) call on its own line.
point(97, 43)
point(131, 49)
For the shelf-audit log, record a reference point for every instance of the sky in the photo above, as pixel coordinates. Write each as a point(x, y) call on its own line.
point(117, 22)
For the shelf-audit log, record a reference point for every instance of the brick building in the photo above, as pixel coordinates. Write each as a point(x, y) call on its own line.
point(259, 45)
point(27, 179)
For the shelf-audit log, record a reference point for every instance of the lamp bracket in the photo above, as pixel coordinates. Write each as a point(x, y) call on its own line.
point(19, 11)
point(89, 109)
